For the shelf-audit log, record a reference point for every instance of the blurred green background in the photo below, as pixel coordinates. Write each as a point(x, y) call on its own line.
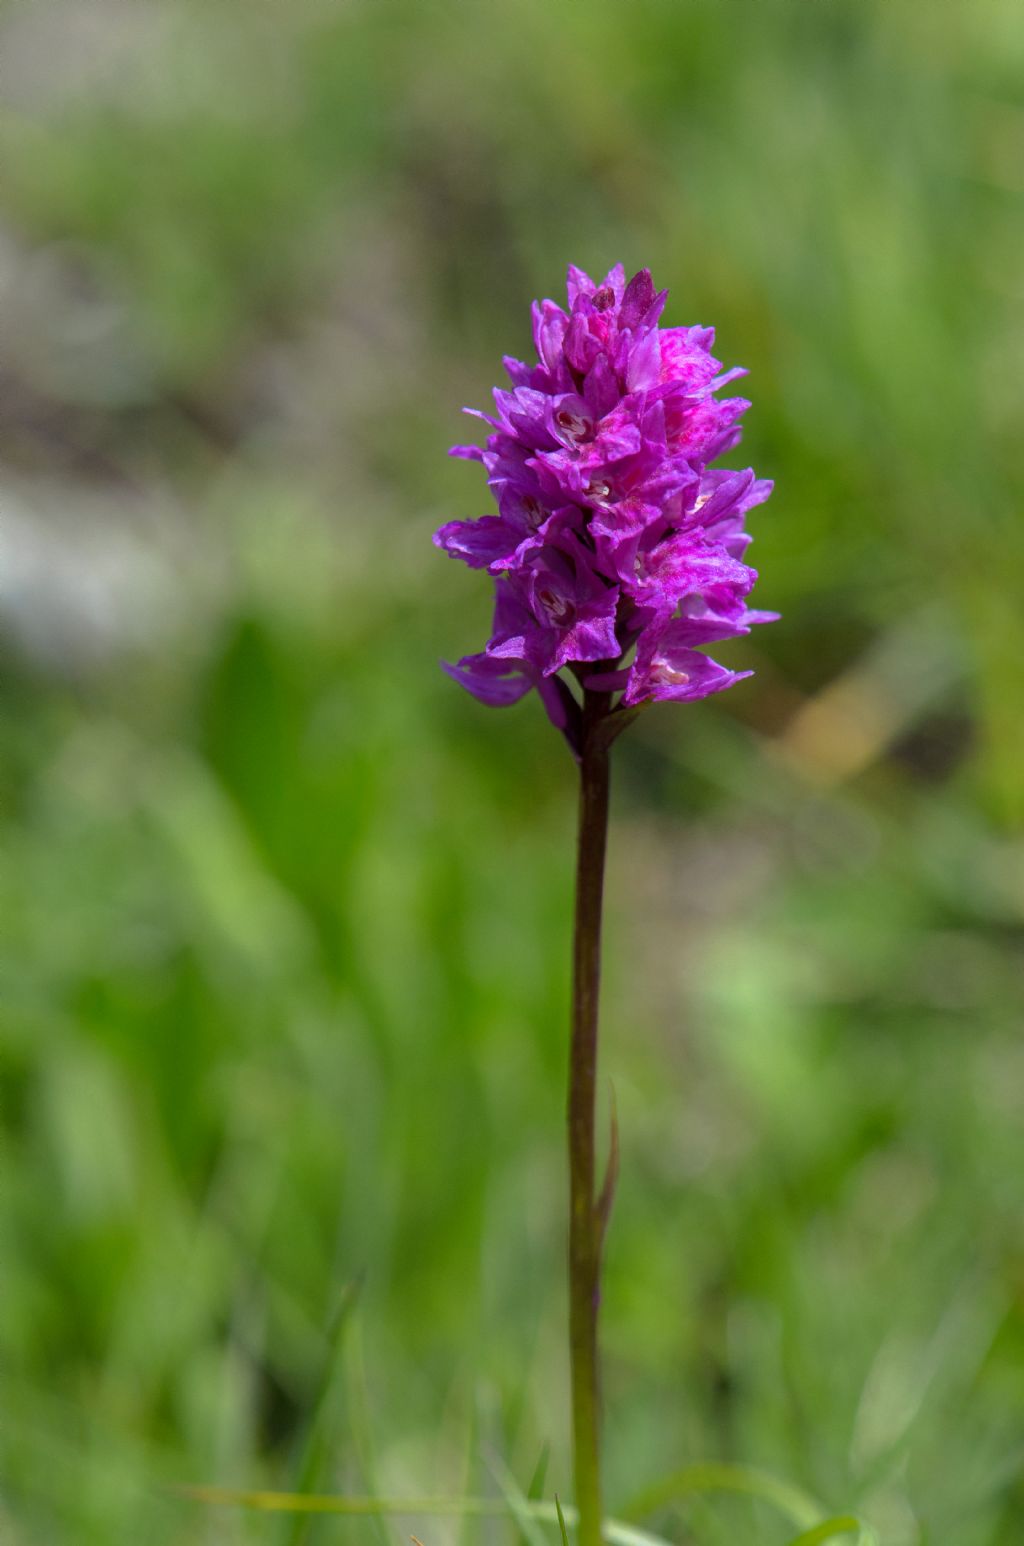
point(286, 915)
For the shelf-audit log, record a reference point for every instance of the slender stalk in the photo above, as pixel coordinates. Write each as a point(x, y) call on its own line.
point(586, 1215)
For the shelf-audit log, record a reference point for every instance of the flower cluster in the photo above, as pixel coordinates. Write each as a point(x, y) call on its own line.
point(616, 550)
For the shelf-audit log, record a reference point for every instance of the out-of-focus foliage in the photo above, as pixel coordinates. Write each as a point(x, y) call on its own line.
point(285, 916)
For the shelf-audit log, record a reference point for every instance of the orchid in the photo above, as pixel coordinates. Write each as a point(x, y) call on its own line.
point(617, 554)
point(617, 550)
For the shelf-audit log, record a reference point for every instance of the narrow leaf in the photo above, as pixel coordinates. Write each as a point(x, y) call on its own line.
point(801, 1509)
point(322, 1422)
point(829, 1529)
point(359, 1409)
point(611, 1175)
point(540, 1473)
point(518, 1504)
point(615, 1531)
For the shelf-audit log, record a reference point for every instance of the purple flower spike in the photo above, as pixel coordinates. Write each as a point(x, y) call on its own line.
point(617, 550)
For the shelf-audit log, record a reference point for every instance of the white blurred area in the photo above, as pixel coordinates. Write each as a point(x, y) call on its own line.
point(85, 549)
point(80, 564)
point(79, 573)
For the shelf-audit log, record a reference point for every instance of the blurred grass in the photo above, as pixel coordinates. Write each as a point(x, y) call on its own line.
point(286, 917)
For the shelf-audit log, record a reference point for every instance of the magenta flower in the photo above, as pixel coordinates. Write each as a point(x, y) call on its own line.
point(617, 551)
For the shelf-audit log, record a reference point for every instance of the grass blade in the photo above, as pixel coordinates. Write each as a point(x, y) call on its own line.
point(518, 1503)
point(359, 1410)
point(330, 1503)
point(540, 1474)
point(798, 1506)
point(829, 1529)
point(616, 1531)
point(313, 1456)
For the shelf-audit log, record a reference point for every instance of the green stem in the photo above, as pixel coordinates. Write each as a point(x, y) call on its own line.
point(586, 1218)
